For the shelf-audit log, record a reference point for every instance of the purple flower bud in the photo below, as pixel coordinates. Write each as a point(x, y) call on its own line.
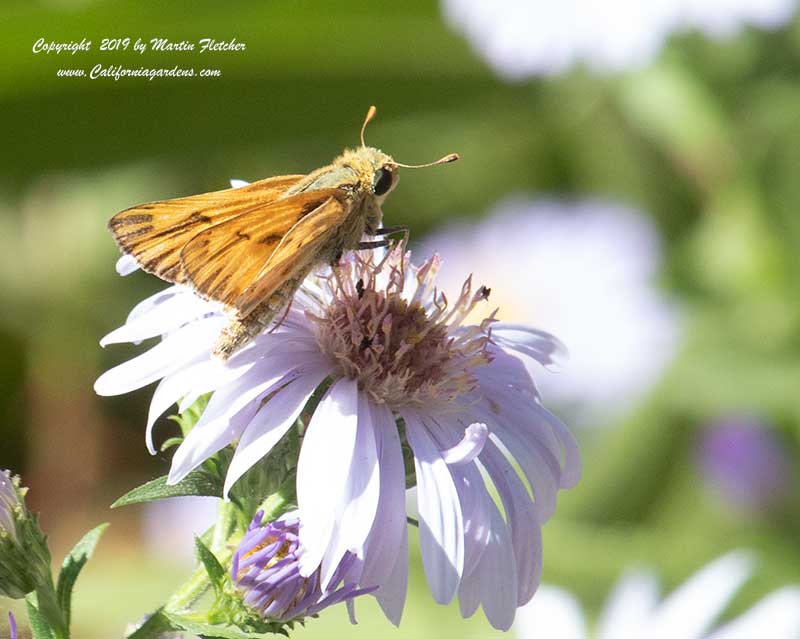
point(8, 505)
point(24, 556)
point(266, 569)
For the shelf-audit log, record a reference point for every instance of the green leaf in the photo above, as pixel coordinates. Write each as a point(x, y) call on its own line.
point(169, 443)
point(72, 566)
point(216, 573)
point(225, 632)
point(154, 627)
point(198, 483)
point(39, 626)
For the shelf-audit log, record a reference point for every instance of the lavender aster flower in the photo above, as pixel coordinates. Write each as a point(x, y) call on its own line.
point(393, 350)
point(266, 569)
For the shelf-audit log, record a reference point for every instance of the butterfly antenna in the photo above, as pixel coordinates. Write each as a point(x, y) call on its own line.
point(445, 160)
point(370, 114)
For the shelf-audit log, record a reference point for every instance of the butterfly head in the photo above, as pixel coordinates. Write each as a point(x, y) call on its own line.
point(382, 167)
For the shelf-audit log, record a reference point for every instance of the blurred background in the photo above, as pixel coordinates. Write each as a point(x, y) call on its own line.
point(629, 181)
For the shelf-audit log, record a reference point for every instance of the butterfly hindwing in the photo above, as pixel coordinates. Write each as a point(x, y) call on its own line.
point(300, 249)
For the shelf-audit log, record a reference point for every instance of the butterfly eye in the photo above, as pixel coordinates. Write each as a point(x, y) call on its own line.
point(383, 182)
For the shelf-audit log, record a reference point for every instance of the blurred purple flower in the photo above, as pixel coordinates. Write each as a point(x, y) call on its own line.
point(743, 460)
point(523, 38)
point(587, 269)
point(12, 626)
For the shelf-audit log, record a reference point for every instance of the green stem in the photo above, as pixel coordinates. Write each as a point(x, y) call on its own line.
point(47, 603)
point(224, 528)
point(277, 503)
point(198, 583)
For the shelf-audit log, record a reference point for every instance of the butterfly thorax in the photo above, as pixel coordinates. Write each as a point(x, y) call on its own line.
point(353, 173)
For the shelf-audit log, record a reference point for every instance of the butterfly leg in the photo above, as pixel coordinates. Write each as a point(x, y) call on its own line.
point(389, 230)
point(373, 245)
point(393, 230)
point(277, 324)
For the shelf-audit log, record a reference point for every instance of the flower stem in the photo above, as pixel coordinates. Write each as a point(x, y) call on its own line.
point(46, 603)
point(224, 528)
point(198, 583)
point(279, 501)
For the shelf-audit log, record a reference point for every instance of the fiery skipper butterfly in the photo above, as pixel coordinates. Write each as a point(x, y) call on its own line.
point(251, 247)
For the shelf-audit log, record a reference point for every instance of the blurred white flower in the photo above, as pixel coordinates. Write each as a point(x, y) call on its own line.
point(583, 268)
point(633, 611)
point(522, 38)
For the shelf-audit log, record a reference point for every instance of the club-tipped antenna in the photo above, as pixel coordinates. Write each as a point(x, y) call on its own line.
point(452, 157)
point(370, 114)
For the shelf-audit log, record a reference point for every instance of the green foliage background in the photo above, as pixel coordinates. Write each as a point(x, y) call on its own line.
point(706, 141)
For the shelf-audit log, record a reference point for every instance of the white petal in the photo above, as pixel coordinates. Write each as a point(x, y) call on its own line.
point(508, 373)
point(149, 303)
point(389, 528)
point(475, 503)
point(201, 376)
point(571, 467)
point(690, 610)
point(540, 469)
point(323, 467)
point(509, 395)
point(161, 319)
point(469, 447)
point(360, 496)
point(126, 265)
point(165, 357)
point(441, 525)
point(202, 442)
point(271, 423)
point(237, 184)
point(469, 594)
point(264, 376)
point(526, 533)
point(498, 575)
point(628, 607)
point(391, 596)
point(230, 410)
point(778, 614)
point(552, 614)
point(539, 345)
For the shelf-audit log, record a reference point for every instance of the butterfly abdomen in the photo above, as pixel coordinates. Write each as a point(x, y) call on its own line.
point(240, 330)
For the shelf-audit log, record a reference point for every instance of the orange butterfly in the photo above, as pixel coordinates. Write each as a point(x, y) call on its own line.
point(251, 247)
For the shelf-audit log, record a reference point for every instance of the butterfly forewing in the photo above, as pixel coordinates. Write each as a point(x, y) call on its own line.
point(155, 233)
point(299, 248)
point(227, 259)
